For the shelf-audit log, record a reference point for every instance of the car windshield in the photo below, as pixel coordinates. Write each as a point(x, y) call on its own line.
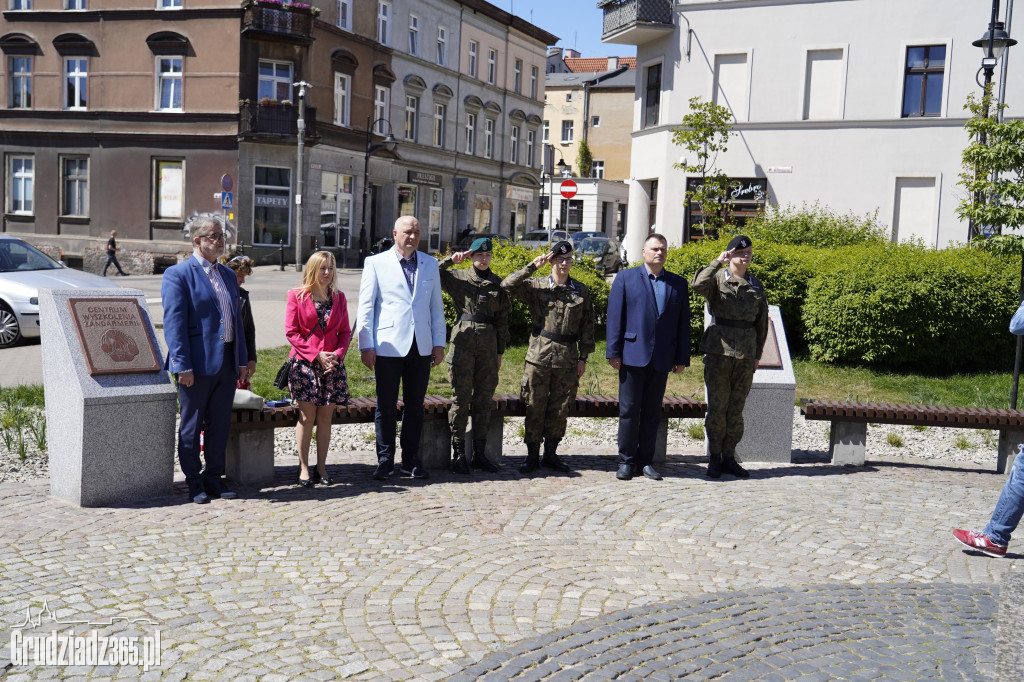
point(17, 256)
point(593, 246)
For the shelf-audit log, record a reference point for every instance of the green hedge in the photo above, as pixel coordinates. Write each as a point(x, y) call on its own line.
point(509, 258)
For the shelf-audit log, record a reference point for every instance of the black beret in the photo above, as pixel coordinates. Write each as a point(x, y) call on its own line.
point(561, 248)
point(739, 242)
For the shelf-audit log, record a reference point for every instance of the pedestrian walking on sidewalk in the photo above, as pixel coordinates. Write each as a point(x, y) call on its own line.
point(732, 343)
point(477, 343)
point(112, 255)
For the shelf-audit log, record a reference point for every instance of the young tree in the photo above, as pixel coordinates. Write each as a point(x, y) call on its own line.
point(584, 159)
point(704, 134)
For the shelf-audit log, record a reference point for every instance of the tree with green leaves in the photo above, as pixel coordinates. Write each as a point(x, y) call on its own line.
point(704, 134)
point(584, 159)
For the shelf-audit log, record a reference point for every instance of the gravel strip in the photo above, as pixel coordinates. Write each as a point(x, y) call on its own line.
point(810, 441)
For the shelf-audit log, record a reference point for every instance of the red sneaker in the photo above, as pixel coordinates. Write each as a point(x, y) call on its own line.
point(979, 541)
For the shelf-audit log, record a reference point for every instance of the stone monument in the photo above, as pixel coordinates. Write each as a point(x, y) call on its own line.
point(110, 406)
point(768, 413)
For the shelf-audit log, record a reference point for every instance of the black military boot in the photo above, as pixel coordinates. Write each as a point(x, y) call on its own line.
point(480, 460)
point(532, 462)
point(715, 465)
point(551, 460)
point(731, 466)
point(460, 464)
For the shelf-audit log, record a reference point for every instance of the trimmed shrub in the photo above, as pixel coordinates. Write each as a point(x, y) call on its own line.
point(814, 225)
point(509, 258)
point(899, 305)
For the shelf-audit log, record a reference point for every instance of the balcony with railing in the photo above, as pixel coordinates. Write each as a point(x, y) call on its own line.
point(274, 119)
point(278, 21)
point(635, 22)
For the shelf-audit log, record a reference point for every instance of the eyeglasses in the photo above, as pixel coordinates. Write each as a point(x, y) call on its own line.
point(562, 261)
point(219, 237)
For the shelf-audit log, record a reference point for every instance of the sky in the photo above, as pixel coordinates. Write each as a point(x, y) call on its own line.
point(576, 22)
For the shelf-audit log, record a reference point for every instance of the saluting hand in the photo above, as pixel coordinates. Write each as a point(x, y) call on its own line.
point(542, 260)
point(459, 257)
point(725, 256)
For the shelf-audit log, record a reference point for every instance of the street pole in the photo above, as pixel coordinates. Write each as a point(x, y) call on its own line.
point(389, 143)
point(300, 126)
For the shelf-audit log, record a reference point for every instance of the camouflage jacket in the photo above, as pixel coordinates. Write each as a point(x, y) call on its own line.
point(566, 310)
point(475, 295)
point(741, 304)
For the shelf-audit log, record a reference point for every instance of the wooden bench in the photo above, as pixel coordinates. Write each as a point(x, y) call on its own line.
point(250, 451)
point(850, 425)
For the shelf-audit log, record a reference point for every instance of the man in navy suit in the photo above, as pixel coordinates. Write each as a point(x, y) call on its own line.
point(648, 336)
point(206, 351)
point(401, 336)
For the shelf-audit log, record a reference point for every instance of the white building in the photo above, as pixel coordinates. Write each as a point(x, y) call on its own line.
point(857, 104)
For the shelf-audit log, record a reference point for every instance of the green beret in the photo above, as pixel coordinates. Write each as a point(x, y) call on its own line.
point(483, 244)
point(562, 248)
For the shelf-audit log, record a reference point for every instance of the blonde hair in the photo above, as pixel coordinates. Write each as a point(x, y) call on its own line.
point(238, 262)
point(311, 272)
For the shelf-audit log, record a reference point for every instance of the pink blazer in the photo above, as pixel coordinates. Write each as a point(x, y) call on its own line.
point(300, 319)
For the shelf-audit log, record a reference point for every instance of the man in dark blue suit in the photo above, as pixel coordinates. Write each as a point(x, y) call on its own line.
point(648, 336)
point(206, 351)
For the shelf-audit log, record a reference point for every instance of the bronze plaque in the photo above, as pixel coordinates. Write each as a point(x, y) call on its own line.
point(770, 356)
point(113, 335)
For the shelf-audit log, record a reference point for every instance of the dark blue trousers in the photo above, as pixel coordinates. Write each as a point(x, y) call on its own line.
point(206, 408)
point(413, 372)
point(641, 390)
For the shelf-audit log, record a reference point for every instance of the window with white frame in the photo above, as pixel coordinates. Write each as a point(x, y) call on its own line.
point(168, 83)
point(345, 14)
point(731, 84)
point(545, 135)
point(383, 22)
point(19, 90)
point(567, 131)
point(21, 186)
point(169, 4)
point(74, 4)
point(275, 82)
point(342, 98)
point(533, 82)
point(168, 189)
point(412, 112)
point(440, 113)
point(381, 103)
point(474, 49)
point(75, 186)
point(76, 83)
point(21, 4)
point(531, 138)
point(414, 35)
point(652, 94)
point(922, 80)
point(514, 145)
point(442, 46)
point(470, 133)
point(597, 169)
point(517, 76)
point(489, 138)
point(595, 121)
point(492, 66)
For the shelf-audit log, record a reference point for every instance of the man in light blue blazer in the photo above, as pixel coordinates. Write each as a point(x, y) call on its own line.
point(648, 336)
point(206, 351)
point(401, 336)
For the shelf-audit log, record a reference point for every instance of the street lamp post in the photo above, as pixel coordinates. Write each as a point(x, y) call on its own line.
point(389, 144)
point(300, 125)
point(549, 164)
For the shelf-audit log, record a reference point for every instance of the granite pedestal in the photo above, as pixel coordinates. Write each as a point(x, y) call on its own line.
point(768, 413)
point(111, 436)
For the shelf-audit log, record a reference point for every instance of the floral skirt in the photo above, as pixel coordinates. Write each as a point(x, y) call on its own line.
point(309, 383)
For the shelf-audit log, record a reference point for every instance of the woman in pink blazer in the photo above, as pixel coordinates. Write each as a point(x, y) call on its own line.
point(316, 324)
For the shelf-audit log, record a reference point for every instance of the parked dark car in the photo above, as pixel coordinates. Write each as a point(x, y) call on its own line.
point(603, 252)
point(496, 239)
point(578, 237)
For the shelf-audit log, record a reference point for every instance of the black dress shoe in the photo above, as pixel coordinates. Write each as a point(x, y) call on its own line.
point(315, 475)
point(652, 473)
point(201, 498)
point(305, 482)
point(625, 472)
point(383, 471)
point(322, 480)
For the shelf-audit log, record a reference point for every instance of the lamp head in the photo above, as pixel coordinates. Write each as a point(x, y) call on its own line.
point(999, 38)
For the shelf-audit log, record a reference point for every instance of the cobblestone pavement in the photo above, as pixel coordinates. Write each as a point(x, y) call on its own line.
point(802, 570)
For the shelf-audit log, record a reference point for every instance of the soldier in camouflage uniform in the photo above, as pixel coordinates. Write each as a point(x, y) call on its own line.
point(732, 343)
point(478, 341)
point(562, 338)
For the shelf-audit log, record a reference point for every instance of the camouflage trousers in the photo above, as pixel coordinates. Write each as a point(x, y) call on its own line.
point(547, 393)
point(727, 381)
point(473, 376)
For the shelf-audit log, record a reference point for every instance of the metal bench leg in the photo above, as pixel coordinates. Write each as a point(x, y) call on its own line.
point(661, 444)
point(436, 444)
point(1010, 443)
point(249, 458)
point(846, 444)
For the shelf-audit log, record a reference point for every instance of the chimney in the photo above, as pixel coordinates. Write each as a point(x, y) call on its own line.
point(613, 63)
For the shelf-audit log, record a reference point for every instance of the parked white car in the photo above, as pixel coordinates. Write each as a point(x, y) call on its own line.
point(24, 270)
point(536, 238)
